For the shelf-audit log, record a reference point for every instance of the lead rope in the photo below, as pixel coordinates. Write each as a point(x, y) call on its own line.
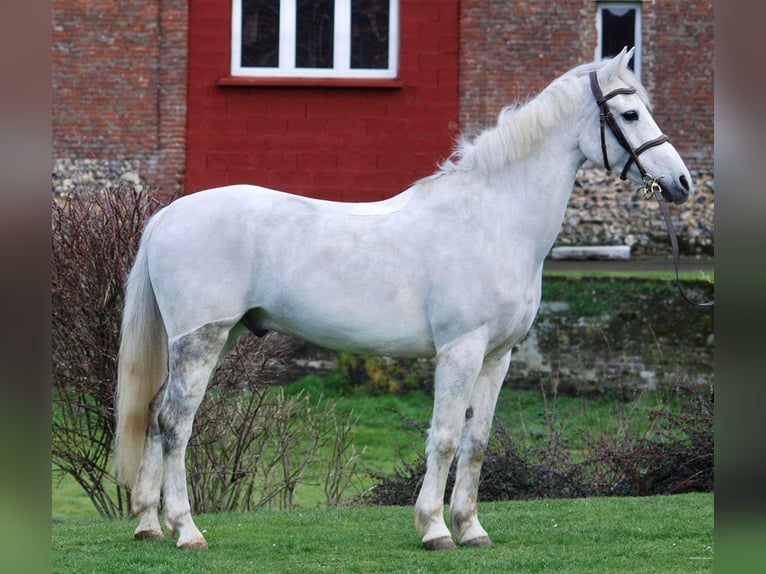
point(652, 188)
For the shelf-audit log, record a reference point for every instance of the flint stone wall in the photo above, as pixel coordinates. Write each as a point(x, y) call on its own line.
point(604, 210)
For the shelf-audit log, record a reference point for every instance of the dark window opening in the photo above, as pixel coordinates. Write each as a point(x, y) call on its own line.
point(260, 33)
point(314, 33)
point(369, 33)
point(618, 29)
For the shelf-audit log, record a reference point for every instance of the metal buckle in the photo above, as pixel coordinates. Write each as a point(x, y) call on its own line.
point(650, 186)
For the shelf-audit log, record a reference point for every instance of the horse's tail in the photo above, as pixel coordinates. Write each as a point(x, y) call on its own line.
point(142, 366)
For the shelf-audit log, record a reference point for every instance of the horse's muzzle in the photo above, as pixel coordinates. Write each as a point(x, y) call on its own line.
point(675, 191)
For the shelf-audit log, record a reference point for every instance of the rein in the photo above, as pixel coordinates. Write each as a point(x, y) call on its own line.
point(650, 185)
point(654, 188)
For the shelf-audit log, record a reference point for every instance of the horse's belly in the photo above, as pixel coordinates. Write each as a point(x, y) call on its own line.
point(400, 337)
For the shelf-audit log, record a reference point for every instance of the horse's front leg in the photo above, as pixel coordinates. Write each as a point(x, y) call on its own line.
point(473, 443)
point(457, 366)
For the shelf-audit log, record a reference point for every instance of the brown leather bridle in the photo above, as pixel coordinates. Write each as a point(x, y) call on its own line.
point(606, 118)
point(651, 186)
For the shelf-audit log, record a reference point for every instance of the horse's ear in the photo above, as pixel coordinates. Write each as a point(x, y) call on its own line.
point(628, 55)
point(613, 66)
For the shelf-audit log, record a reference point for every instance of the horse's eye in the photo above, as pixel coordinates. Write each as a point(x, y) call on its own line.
point(631, 115)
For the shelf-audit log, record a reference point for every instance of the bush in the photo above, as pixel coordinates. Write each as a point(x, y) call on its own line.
point(94, 238)
point(674, 456)
point(670, 452)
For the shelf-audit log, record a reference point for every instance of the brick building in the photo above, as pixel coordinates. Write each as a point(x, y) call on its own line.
point(119, 92)
point(347, 100)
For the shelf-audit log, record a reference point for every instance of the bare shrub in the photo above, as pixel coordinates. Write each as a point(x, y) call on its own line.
point(341, 474)
point(94, 238)
point(673, 455)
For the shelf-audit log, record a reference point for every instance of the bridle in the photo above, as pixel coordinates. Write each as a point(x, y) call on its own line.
point(650, 186)
point(606, 118)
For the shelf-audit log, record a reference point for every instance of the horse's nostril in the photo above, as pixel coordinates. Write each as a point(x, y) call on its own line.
point(684, 182)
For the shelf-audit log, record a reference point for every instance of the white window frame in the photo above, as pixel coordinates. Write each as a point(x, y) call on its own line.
point(341, 49)
point(636, 32)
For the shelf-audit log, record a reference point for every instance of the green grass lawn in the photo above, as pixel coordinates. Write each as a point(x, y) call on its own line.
point(663, 534)
point(69, 500)
point(641, 275)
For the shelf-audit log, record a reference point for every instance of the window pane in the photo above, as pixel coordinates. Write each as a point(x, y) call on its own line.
point(260, 33)
point(618, 30)
point(314, 35)
point(369, 33)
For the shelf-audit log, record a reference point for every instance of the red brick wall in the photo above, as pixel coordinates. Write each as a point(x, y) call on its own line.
point(678, 72)
point(119, 84)
point(509, 51)
point(338, 143)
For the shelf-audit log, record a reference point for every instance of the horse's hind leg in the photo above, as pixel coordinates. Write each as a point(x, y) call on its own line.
point(473, 442)
point(145, 497)
point(192, 359)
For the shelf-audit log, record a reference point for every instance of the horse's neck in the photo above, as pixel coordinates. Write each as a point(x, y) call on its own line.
point(520, 203)
point(536, 189)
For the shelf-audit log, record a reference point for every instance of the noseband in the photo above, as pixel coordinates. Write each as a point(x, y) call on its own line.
point(606, 118)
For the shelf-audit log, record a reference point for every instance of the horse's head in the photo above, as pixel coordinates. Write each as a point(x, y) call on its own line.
point(622, 133)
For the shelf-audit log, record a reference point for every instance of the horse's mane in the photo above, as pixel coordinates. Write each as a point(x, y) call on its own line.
point(521, 126)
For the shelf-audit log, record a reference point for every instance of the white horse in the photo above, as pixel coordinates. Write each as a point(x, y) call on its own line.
point(451, 268)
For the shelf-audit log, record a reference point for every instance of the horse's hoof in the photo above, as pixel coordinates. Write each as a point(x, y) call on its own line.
point(478, 542)
point(443, 543)
point(148, 535)
point(194, 545)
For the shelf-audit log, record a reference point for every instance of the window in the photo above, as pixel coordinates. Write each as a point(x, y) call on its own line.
point(315, 38)
point(619, 25)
